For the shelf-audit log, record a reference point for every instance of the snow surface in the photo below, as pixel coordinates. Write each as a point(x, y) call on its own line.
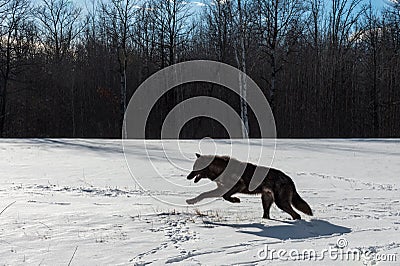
point(75, 202)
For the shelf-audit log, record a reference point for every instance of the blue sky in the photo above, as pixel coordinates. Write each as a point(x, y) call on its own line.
point(378, 3)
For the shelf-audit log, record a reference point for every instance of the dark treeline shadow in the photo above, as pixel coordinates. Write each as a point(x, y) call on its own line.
point(327, 70)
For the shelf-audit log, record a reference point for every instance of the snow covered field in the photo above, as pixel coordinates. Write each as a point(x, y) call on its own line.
point(74, 202)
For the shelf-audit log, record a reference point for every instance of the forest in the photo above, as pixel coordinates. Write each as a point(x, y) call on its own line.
point(329, 68)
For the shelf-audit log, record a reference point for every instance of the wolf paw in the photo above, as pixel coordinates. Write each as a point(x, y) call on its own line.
point(191, 201)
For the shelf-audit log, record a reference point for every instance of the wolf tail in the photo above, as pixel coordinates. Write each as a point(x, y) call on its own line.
point(300, 204)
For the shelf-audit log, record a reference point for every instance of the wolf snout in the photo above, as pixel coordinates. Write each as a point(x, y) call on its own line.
point(191, 175)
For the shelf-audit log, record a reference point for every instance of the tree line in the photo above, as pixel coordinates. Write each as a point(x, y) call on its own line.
point(329, 68)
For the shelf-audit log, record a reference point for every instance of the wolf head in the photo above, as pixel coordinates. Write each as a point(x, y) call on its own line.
point(207, 166)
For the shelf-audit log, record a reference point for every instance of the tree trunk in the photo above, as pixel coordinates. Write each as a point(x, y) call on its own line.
point(241, 62)
point(3, 108)
point(375, 96)
point(123, 93)
point(273, 84)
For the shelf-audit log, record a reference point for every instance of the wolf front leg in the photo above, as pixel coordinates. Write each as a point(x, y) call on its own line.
point(218, 192)
point(228, 195)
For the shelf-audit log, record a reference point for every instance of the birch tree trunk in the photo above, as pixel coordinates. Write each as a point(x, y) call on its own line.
point(241, 62)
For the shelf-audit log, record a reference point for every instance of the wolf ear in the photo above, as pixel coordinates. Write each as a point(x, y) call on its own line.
point(197, 155)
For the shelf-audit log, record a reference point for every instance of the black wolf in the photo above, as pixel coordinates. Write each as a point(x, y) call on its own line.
point(275, 186)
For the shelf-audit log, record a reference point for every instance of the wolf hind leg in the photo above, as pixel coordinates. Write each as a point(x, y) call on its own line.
point(284, 205)
point(267, 199)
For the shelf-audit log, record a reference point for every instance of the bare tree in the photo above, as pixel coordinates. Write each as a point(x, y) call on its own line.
point(344, 15)
point(171, 18)
point(243, 28)
point(59, 25)
point(145, 36)
point(371, 34)
point(276, 19)
point(218, 29)
point(315, 21)
point(13, 14)
point(119, 18)
point(4, 9)
point(342, 33)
